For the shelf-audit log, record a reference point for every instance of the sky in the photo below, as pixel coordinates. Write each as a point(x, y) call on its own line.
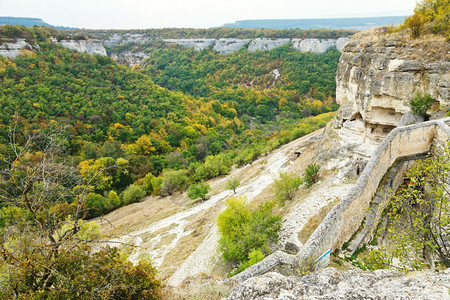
point(141, 14)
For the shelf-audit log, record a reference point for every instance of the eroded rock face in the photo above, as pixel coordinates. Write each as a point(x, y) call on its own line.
point(85, 46)
point(331, 283)
point(12, 49)
point(378, 74)
point(266, 44)
point(130, 58)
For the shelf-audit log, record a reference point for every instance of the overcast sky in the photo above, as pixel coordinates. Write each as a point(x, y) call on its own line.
point(140, 14)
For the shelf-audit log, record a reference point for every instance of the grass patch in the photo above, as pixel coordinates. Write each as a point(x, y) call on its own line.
point(315, 221)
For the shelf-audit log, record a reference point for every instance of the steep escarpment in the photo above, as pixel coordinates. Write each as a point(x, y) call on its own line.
point(379, 73)
point(377, 76)
point(13, 48)
point(131, 48)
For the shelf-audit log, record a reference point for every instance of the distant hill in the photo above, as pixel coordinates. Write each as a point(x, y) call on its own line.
point(29, 22)
point(334, 23)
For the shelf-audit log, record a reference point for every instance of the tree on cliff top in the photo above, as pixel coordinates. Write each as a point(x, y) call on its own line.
point(430, 16)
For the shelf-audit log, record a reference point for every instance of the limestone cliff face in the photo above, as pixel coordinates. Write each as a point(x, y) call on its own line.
point(379, 73)
point(85, 46)
point(12, 49)
point(229, 45)
point(377, 76)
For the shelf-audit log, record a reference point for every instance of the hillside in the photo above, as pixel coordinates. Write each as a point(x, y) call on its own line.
point(239, 163)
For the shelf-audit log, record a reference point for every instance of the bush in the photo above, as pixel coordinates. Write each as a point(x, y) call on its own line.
point(244, 229)
point(430, 16)
point(133, 193)
point(114, 199)
point(286, 187)
point(198, 191)
point(174, 180)
point(311, 175)
point(97, 204)
point(420, 104)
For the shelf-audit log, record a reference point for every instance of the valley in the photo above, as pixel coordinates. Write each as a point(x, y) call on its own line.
point(226, 163)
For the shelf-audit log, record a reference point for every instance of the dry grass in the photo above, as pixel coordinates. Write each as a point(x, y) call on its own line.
point(199, 287)
point(137, 215)
point(315, 221)
point(200, 226)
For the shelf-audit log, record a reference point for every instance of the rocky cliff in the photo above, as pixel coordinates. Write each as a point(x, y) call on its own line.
point(85, 46)
point(228, 45)
point(379, 73)
point(377, 76)
point(12, 49)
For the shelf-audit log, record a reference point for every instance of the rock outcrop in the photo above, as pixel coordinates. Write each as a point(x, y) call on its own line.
point(85, 46)
point(229, 45)
point(331, 283)
point(12, 49)
point(379, 73)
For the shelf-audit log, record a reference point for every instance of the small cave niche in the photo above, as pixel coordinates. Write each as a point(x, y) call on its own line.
point(356, 116)
point(378, 132)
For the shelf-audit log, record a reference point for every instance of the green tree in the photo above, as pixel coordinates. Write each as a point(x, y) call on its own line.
point(425, 205)
point(311, 175)
point(45, 256)
point(233, 183)
point(133, 193)
point(286, 186)
point(245, 228)
point(199, 190)
point(420, 104)
point(418, 218)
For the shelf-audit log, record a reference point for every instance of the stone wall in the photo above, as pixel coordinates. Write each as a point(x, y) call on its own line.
point(346, 217)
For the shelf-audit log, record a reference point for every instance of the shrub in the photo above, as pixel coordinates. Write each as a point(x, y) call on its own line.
point(198, 191)
point(286, 187)
point(114, 199)
point(420, 104)
point(133, 193)
point(174, 180)
point(311, 175)
point(245, 228)
point(97, 204)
